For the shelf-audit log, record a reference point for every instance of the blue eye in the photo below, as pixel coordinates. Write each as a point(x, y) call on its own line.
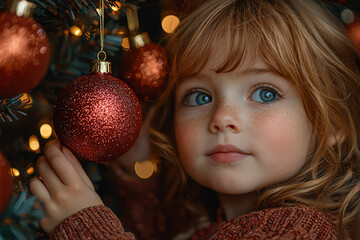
point(264, 95)
point(197, 98)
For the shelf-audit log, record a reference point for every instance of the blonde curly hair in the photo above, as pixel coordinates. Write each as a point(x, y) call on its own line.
point(301, 41)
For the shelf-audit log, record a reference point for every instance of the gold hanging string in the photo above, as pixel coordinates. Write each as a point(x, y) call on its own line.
point(101, 30)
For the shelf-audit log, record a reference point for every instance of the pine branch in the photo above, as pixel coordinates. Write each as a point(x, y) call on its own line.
point(9, 108)
point(20, 220)
point(72, 8)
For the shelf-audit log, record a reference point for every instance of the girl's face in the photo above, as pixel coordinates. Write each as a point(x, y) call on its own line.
point(240, 131)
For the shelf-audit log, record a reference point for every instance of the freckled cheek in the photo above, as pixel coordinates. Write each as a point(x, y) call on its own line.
point(187, 136)
point(283, 135)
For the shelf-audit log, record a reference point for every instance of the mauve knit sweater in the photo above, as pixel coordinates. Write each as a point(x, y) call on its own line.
point(296, 222)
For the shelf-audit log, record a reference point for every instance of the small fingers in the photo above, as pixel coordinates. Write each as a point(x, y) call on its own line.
point(71, 157)
point(38, 189)
point(50, 179)
point(52, 142)
point(61, 164)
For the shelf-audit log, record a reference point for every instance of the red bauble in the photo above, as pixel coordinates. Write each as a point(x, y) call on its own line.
point(24, 54)
point(6, 183)
point(354, 34)
point(145, 70)
point(98, 117)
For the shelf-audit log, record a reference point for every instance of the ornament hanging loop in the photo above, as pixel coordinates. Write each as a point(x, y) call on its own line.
point(101, 52)
point(101, 31)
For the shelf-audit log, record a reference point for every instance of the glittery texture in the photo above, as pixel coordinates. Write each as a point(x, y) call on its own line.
point(6, 183)
point(98, 117)
point(145, 70)
point(24, 54)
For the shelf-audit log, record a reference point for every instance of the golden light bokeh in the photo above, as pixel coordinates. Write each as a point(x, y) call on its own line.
point(169, 23)
point(14, 172)
point(75, 30)
point(26, 97)
point(45, 131)
point(115, 8)
point(34, 144)
point(30, 171)
point(125, 43)
point(145, 169)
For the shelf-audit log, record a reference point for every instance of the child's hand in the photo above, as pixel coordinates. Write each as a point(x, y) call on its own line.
point(65, 188)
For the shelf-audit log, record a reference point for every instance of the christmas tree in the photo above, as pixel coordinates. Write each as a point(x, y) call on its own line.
point(53, 44)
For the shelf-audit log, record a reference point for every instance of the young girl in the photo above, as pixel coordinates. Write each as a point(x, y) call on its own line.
point(262, 108)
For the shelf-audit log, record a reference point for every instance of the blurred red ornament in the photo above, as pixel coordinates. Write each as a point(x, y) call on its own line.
point(145, 70)
point(24, 51)
point(98, 117)
point(6, 183)
point(354, 34)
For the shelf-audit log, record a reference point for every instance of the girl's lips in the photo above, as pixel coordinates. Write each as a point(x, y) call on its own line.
point(226, 154)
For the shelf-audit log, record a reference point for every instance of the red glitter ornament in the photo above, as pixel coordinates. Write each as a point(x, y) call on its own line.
point(6, 183)
point(145, 69)
point(24, 51)
point(97, 116)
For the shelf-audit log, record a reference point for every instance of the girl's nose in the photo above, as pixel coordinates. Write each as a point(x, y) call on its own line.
point(225, 118)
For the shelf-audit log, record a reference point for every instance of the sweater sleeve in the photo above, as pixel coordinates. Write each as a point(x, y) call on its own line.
point(96, 222)
point(296, 222)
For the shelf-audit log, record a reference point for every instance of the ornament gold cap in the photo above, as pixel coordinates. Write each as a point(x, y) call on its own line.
point(100, 66)
point(139, 40)
point(21, 8)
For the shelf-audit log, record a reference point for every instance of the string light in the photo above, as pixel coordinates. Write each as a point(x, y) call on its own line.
point(169, 23)
point(75, 30)
point(125, 43)
point(115, 8)
point(30, 171)
point(26, 97)
point(14, 172)
point(145, 169)
point(45, 130)
point(34, 144)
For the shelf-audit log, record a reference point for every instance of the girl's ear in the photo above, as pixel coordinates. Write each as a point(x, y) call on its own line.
point(337, 136)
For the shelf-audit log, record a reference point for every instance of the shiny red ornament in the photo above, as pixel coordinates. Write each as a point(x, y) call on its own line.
point(98, 117)
point(145, 70)
point(6, 183)
point(24, 54)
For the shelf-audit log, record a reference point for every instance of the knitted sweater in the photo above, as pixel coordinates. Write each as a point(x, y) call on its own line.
point(296, 222)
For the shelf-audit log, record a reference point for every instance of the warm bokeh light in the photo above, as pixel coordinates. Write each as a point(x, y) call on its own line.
point(34, 143)
point(139, 40)
point(145, 169)
point(75, 30)
point(22, 8)
point(45, 131)
point(26, 97)
point(169, 23)
point(125, 43)
point(115, 8)
point(121, 32)
point(14, 172)
point(30, 171)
